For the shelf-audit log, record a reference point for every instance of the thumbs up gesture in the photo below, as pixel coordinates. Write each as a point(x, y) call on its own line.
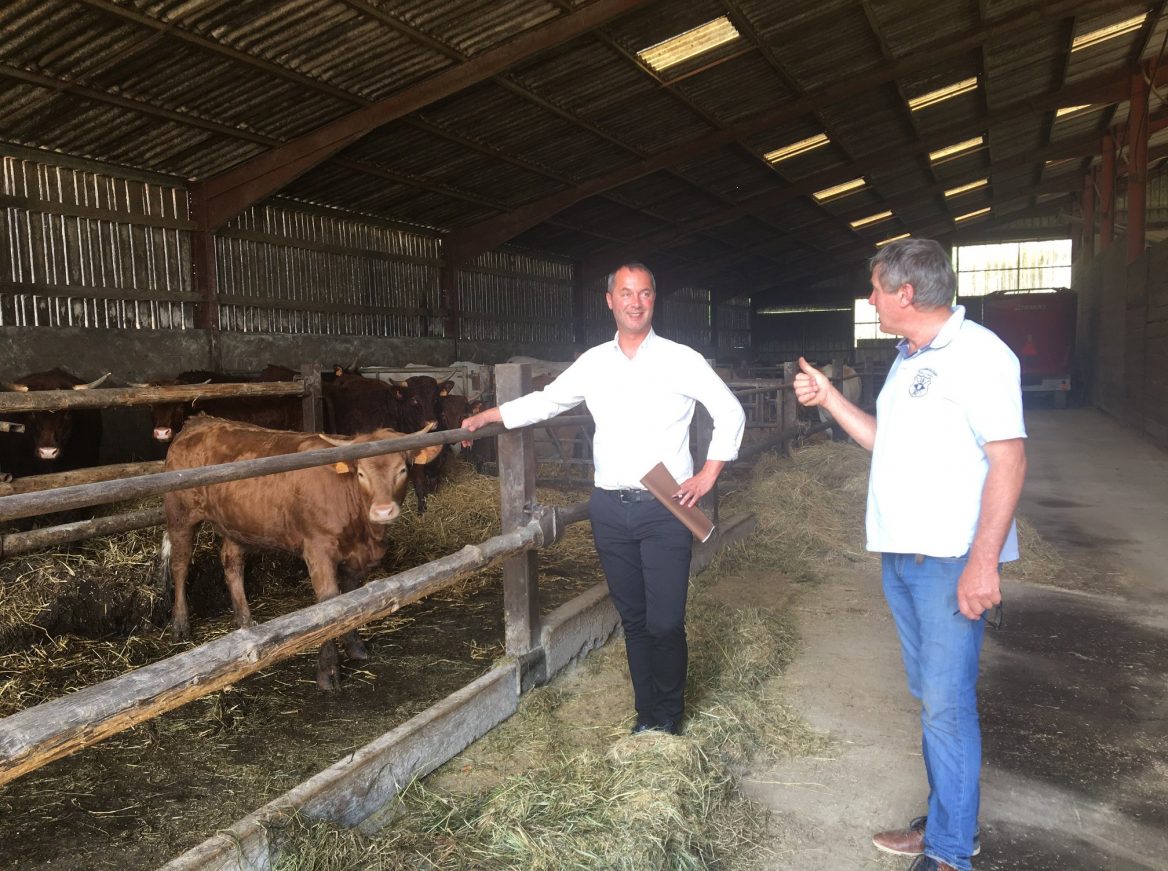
point(811, 386)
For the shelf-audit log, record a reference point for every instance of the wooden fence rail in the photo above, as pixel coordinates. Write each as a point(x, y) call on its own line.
point(49, 731)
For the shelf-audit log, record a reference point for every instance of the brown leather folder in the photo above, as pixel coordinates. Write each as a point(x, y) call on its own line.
point(661, 484)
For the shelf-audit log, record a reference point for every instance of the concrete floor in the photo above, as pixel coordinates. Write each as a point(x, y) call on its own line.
point(1074, 692)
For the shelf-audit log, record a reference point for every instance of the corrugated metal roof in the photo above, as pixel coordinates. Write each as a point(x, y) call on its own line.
point(613, 154)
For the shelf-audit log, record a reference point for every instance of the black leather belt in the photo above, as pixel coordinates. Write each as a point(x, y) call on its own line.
point(633, 495)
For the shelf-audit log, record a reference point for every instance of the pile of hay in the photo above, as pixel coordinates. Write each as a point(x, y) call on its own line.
point(810, 510)
point(551, 789)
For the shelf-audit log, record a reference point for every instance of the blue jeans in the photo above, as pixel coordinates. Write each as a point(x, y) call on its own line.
point(941, 649)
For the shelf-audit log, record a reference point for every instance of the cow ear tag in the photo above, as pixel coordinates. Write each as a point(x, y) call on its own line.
point(342, 468)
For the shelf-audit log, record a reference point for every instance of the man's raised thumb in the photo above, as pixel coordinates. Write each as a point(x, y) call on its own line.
point(806, 367)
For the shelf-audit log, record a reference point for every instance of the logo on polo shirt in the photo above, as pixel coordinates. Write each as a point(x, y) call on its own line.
point(921, 382)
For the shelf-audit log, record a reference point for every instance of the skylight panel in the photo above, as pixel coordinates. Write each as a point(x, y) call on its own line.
point(966, 188)
point(796, 148)
point(1109, 32)
point(884, 242)
point(969, 216)
point(838, 190)
point(1071, 110)
point(956, 149)
point(680, 48)
point(871, 219)
point(945, 93)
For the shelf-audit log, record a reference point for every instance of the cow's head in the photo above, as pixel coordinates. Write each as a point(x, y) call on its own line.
point(382, 479)
point(50, 431)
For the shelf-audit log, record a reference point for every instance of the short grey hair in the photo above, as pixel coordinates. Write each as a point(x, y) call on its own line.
point(636, 267)
point(922, 263)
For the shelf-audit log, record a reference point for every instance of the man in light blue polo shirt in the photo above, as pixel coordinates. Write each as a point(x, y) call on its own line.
point(948, 463)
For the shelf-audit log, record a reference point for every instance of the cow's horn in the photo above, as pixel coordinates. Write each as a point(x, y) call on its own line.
point(427, 428)
point(93, 383)
point(18, 388)
point(140, 384)
point(338, 443)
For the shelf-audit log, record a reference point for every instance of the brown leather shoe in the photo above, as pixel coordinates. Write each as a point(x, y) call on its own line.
point(903, 842)
point(910, 841)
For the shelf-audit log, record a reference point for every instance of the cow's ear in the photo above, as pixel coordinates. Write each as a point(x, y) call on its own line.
point(342, 468)
point(425, 455)
point(445, 387)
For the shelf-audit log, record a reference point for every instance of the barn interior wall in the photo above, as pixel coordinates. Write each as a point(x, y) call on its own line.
point(818, 336)
point(1123, 336)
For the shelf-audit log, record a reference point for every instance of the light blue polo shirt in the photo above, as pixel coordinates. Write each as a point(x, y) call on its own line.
point(937, 408)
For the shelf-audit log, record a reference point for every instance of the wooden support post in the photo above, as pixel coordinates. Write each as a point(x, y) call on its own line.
point(1137, 166)
point(517, 492)
point(1107, 194)
point(579, 333)
point(449, 301)
point(1087, 246)
point(312, 404)
point(837, 370)
point(788, 408)
point(204, 277)
point(701, 433)
point(715, 325)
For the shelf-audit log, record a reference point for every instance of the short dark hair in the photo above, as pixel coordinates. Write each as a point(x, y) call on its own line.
point(636, 267)
point(922, 263)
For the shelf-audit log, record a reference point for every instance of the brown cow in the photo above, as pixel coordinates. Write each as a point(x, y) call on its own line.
point(334, 516)
point(53, 441)
point(276, 412)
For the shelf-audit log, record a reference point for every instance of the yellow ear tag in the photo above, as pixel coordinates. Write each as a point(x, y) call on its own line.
point(341, 468)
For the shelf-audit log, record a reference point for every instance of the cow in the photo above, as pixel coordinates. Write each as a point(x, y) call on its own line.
point(430, 393)
point(336, 517)
point(851, 388)
point(355, 404)
point(276, 412)
point(53, 441)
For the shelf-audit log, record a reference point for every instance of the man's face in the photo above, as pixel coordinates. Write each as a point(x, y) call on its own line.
point(631, 301)
point(887, 302)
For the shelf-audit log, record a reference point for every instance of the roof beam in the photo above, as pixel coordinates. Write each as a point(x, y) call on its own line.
point(468, 242)
point(226, 195)
point(1103, 89)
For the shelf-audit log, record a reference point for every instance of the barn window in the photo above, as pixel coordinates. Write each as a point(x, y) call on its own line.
point(867, 323)
point(932, 98)
point(1014, 266)
point(966, 188)
point(1111, 31)
point(680, 48)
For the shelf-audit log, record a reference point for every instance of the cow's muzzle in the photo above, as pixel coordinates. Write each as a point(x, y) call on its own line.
point(48, 453)
point(163, 433)
point(386, 513)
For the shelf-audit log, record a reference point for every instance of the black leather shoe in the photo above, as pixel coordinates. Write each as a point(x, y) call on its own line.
point(642, 726)
point(670, 727)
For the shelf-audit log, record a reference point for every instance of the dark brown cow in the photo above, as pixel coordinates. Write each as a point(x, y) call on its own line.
point(430, 393)
point(355, 404)
point(336, 517)
point(53, 441)
point(275, 412)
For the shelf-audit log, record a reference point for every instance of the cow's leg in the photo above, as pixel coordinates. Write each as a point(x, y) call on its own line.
point(232, 555)
point(354, 646)
point(322, 569)
point(418, 479)
point(180, 540)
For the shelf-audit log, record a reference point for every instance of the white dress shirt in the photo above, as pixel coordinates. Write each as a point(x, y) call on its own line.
point(642, 407)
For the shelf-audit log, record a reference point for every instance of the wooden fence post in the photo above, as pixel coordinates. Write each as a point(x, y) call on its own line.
point(517, 495)
point(837, 369)
point(788, 409)
point(312, 403)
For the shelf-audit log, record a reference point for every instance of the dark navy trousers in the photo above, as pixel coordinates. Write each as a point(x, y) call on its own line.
point(645, 552)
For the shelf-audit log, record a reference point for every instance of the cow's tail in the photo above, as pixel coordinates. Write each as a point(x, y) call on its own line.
point(163, 582)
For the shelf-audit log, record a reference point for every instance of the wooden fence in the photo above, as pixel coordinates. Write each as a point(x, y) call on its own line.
point(536, 645)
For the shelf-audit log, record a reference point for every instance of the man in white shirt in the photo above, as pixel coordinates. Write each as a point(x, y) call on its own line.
point(641, 390)
point(948, 463)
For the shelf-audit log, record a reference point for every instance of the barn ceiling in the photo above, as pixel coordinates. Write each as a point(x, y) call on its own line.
point(542, 122)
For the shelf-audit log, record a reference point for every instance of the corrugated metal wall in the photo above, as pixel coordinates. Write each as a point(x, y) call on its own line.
point(85, 249)
point(686, 318)
point(734, 329)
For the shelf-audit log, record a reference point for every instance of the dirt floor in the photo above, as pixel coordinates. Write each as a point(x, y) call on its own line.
point(1074, 693)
